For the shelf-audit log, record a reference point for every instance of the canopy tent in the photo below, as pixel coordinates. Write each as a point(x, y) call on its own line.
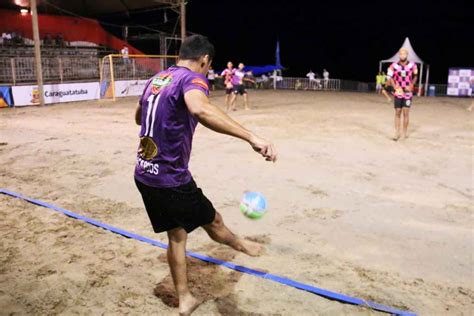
point(412, 56)
point(258, 70)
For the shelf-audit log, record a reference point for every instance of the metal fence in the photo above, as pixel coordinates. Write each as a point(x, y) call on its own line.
point(21, 70)
point(86, 67)
point(316, 84)
point(306, 84)
point(440, 90)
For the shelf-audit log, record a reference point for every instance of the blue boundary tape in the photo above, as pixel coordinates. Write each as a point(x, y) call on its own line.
point(282, 280)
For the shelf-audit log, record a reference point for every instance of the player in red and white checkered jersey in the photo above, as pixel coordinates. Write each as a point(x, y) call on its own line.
point(402, 77)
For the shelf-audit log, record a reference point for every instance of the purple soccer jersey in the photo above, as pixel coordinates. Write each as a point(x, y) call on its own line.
point(238, 77)
point(403, 76)
point(167, 128)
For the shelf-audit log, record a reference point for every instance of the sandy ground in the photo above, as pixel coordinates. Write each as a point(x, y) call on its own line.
point(350, 210)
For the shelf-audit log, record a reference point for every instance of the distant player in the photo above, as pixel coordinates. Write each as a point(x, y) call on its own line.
point(402, 77)
point(326, 79)
point(172, 104)
point(228, 74)
point(211, 77)
point(378, 83)
point(387, 89)
point(472, 100)
point(312, 79)
point(240, 76)
point(124, 52)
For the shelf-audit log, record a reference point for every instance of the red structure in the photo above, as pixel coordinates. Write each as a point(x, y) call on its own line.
point(71, 28)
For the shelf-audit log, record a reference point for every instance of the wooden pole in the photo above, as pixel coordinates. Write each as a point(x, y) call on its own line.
point(183, 20)
point(36, 38)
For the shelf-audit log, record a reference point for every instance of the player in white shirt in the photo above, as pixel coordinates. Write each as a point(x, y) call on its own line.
point(124, 53)
point(312, 79)
point(211, 77)
point(326, 78)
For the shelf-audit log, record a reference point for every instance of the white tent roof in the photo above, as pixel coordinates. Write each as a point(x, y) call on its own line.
point(412, 56)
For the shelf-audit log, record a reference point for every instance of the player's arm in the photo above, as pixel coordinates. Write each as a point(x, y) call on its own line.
point(391, 82)
point(214, 118)
point(413, 82)
point(138, 114)
point(248, 79)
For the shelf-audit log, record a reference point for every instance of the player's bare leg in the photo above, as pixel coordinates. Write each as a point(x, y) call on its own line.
point(227, 101)
point(177, 261)
point(385, 93)
point(232, 101)
point(221, 234)
point(406, 119)
point(398, 114)
point(246, 101)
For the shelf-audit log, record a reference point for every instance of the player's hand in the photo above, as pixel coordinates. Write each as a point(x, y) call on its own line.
point(264, 148)
point(410, 88)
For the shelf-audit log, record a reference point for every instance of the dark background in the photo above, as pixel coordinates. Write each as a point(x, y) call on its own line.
point(346, 37)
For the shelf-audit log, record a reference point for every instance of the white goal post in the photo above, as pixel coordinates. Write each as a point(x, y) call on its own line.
point(126, 75)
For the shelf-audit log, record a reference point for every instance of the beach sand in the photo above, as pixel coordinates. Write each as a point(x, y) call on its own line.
point(350, 210)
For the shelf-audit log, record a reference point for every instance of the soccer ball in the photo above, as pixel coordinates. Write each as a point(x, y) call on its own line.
point(253, 205)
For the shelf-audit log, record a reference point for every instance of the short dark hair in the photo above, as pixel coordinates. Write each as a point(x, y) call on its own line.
point(196, 46)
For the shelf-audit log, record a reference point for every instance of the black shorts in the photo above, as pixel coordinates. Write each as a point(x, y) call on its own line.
point(239, 89)
point(184, 206)
point(211, 81)
point(402, 103)
point(228, 90)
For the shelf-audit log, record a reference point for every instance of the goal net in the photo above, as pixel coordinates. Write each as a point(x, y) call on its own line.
point(122, 76)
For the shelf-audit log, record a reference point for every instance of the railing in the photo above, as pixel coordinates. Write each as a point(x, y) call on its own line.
point(21, 70)
point(440, 89)
point(59, 69)
point(307, 84)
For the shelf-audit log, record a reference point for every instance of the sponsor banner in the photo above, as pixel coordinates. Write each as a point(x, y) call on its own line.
point(5, 97)
point(460, 81)
point(56, 93)
point(126, 88)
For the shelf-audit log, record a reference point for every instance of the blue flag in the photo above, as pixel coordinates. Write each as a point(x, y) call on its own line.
point(277, 55)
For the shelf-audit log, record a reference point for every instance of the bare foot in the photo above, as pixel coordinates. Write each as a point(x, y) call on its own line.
point(187, 305)
point(396, 137)
point(251, 248)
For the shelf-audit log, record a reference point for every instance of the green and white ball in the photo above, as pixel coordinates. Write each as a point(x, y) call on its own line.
point(253, 205)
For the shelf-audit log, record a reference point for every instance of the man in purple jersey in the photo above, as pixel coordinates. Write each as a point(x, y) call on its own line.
point(172, 104)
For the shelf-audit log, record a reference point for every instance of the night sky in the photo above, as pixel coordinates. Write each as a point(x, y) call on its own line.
point(346, 37)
